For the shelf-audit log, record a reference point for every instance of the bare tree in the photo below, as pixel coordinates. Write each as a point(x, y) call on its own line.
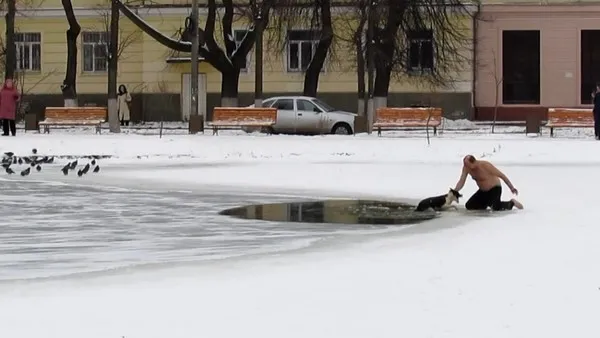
point(10, 59)
point(498, 79)
point(228, 60)
point(358, 40)
point(351, 34)
point(163, 87)
point(323, 19)
point(113, 68)
point(406, 30)
point(69, 85)
point(2, 54)
point(126, 38)
point(20, 80)
point(313, 16)
point(118, 41)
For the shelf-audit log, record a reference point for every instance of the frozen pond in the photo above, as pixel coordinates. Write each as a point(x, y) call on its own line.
point(58, 229)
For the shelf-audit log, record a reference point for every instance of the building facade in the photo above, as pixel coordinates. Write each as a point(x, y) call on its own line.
point(531, 57)
point(159, 79)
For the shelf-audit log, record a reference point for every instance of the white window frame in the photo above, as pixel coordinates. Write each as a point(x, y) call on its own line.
point(290, 42)
point(95, 39)
point(243, 33)
point(419, 41)
point(26, 40)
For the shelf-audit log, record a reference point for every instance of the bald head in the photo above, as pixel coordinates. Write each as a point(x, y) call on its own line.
point(469, 161)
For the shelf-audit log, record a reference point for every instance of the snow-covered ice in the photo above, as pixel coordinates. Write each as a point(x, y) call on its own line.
point(529, 273)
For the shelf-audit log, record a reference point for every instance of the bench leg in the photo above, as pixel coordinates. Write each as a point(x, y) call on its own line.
point(434, 131)
point(46, 129)
point(215, 131)
point(551, 132)
point(379, 131)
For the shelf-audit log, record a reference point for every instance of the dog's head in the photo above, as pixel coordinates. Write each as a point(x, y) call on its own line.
point(453, 196)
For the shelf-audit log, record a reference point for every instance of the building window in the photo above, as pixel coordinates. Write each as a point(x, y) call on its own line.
point(521, 67)
point(300, 49)
point(238, 36)
point(420, 51)
point(590, 64)
point(95, 47)
point(29, 51)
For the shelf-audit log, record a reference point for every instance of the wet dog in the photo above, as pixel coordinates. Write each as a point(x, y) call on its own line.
point(439, 203)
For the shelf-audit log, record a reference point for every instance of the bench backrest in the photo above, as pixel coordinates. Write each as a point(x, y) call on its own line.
point(391, 114)
point(76, 113)
point(570, 115)
point(244, 114)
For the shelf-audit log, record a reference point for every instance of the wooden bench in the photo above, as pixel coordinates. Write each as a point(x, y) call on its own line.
point(74, 116)
point(388, 118)
point(569, 118)
point(240, 117)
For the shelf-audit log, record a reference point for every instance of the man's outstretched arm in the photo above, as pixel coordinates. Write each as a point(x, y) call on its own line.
point(463, 178)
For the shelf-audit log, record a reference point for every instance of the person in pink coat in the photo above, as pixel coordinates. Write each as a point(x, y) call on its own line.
point(9, 96)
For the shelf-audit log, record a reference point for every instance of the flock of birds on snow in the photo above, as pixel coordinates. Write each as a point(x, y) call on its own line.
point(10, 160)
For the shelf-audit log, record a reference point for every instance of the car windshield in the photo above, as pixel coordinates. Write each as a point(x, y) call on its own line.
point(324, 105)
point(265, 103)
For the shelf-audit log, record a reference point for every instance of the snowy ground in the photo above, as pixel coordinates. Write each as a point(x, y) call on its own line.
point(531, 273)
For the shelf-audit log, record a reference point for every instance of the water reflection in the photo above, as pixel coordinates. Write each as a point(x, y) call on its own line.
point(333, 211)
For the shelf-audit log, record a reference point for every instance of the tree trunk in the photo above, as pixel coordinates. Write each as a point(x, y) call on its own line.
point(384, 56)
point(381, 86)
point(382, 80)
point(229, 88)
point(311, 77)
point(496, 97)
point(11, 49)
point(258, 69)
point(385, 40)
point(360, 71)
point(69, 86)
point(113, 63)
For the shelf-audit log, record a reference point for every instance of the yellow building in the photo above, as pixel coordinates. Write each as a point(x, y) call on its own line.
point(158, 78)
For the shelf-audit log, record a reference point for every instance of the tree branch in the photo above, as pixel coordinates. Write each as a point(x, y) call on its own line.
point(227, 23)
point(181, 46)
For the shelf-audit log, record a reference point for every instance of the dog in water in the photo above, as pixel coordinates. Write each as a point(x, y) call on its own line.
point(439, 203)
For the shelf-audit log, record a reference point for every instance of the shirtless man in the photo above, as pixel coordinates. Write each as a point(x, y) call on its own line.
point(487, 177)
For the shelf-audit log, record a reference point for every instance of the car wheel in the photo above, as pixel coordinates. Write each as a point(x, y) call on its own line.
point(341, 129)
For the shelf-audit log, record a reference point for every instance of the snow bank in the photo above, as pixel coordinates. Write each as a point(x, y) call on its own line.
point(460, 124)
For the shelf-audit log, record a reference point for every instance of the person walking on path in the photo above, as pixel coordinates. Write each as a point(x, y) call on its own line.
point(123, 100)
point(596, 110)
point(9, 96)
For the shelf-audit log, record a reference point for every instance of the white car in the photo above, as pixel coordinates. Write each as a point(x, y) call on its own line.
point(308, 115)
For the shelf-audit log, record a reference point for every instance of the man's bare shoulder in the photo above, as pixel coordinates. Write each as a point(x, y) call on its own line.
point(486, 164)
